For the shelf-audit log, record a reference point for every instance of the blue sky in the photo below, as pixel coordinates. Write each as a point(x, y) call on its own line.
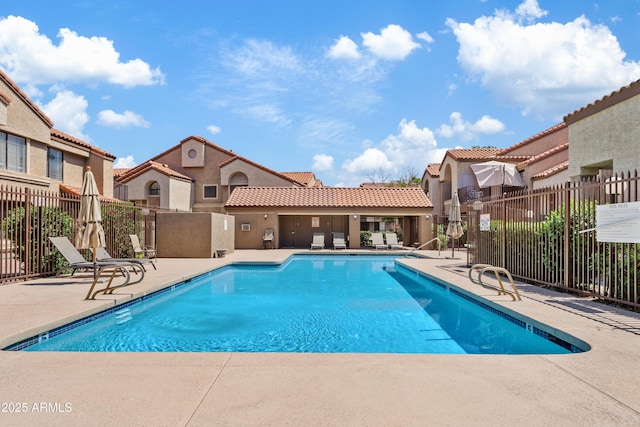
point(351, 90)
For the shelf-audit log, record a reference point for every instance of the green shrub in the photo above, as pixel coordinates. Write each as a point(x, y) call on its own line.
point(32, 235)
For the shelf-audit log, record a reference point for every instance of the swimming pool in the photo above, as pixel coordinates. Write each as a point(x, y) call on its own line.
point(311, 303)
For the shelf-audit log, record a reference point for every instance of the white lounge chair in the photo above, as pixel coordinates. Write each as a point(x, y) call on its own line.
point(318, 241)
point(392, 241)
point(146, 251)
point(338, 241)
point(377, 241)
point(267, 238)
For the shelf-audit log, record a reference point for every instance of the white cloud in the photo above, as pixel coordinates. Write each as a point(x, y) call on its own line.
point(411, 147)
point(110, 118)
point(32, 58)
point(371, 159)
point(546, 69)
point(322, 162)
point(270, 113)
point(467, 130)
point(213, 129)
point(260, 58)
point(394, 43)
point(68, 112)
point(124, 162)
point(530, 10)
point(344, 48)
point(425, 37)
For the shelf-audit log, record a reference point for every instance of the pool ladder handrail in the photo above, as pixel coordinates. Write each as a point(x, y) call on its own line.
point(482, 268)
point(423, 245)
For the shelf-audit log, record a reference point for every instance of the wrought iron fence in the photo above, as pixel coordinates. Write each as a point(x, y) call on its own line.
point(548, 237)
point(29, 217)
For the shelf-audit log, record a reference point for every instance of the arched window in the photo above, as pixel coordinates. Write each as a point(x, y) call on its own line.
point(238, 180)
point(154, 189)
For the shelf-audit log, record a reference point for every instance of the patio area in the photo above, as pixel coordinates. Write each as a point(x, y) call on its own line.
point(598, 387)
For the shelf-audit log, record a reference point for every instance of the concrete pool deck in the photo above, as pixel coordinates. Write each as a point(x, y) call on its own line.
point(599, 387)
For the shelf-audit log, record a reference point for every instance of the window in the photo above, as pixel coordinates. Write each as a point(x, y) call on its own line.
point(154, 189)
point(54, 164)
point(210, 192)
point(12, 152)
point(238, 180)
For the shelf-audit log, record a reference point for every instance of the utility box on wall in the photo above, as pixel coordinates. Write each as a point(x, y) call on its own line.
point(194, 234)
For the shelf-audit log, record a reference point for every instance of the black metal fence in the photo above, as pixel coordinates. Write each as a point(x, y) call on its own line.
point(549, 237)
point(29, 217)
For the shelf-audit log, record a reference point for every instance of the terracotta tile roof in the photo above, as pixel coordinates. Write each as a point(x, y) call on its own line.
point(552, 171)
point(433, 169)
point(264, 168)
point(329, 197)
point(615, 97)
point(118, 172)
point(26, 99)
point(55, 133)
point(302, 177)
point(533, 138)
point(77, 191)
point(151, 165)
point(511, 159)
point(471, 154)
point(393, 184)
point(5, 98)
point(544, 155)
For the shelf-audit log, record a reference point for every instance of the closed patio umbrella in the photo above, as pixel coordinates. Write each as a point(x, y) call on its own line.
point(454, 229)
point(89, 231)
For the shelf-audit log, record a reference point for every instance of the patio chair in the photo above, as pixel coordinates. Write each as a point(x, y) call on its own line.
point(338, 241)
point(145, 251)
point(377, 241)
point(267, 238)
point(103, 255)
point(392, 241)
point(77, 262)
point(318, 241)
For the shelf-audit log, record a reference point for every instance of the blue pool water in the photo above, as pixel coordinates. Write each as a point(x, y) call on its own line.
point(358, 304)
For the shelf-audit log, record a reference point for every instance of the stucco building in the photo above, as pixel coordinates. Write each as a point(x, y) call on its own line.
point(295, 213)
point(35, 155)
point(604, 135)
point(197, 176)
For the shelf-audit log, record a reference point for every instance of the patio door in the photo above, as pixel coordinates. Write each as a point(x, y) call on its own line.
point(287, 231)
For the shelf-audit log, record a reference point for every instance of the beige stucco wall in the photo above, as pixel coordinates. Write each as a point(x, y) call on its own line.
point(193, 235)
point(209, 174)
point(608, 138)
point(21, 119)
point(174, 193)
point(543, 143)
point(257, 177)
point(252, 239)
point(348, 217)
point(542, 165)
point(555, 180)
